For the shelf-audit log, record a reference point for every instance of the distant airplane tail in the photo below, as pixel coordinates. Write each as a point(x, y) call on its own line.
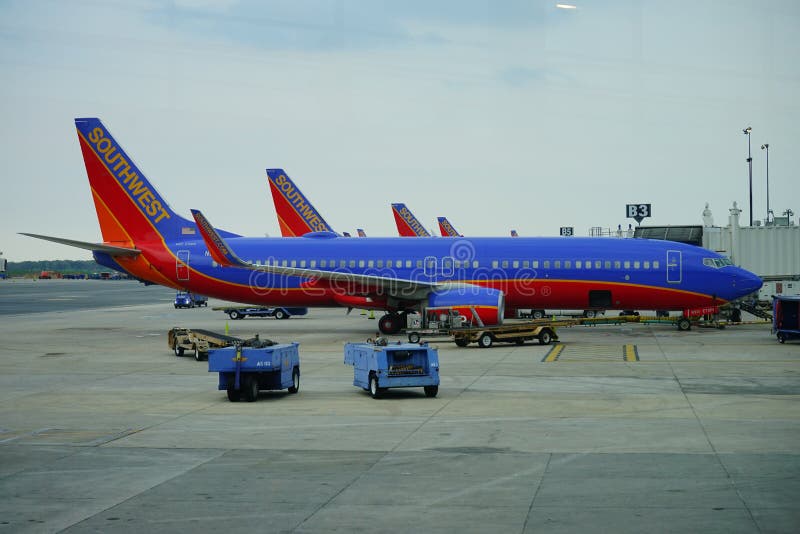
point(446, 228)
point(129, 208)
point(514, 233)
point(296, 215)
point(361, 232)
point(407, 224)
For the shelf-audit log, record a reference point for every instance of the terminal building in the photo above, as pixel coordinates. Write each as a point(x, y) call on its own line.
point(771, 250)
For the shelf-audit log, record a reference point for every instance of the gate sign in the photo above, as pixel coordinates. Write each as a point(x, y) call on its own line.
point(567, 231)
point(638, 211)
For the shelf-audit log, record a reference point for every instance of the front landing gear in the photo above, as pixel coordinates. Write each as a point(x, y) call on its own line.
point(391, 323)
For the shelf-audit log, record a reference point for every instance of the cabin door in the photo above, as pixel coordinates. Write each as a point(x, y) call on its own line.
point(674, 269)
point(182, 265)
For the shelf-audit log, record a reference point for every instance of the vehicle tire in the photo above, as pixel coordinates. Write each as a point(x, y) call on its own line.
point(413, 337)
point(374, 390)
point(251, 389)
point(736, 315)
point(295, 387)
point(519, 341)
point(178, 350)
point(781, 337)
point(176, 306)
point(281, 314)
point(545, 337)
point(537, 314)
point(589, 314)
point(234, 395)
point(684, 324)
point(389, 324)
point(485, 341)
point(462, 341)
point(431, 391)
point(233, 314)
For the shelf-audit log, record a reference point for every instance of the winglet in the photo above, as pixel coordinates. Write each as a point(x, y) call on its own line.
point(219, 250)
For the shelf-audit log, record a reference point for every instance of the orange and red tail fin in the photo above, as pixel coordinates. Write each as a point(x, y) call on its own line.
point(296, 215)
point(407, 224)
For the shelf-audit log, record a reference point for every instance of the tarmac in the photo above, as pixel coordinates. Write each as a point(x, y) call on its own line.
point(104, 429)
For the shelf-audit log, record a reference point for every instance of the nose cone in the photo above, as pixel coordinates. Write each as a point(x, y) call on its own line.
point(745, 282)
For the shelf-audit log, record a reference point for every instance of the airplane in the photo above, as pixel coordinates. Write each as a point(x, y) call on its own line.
point(514, 233)
point(407, 224)
point(481, 276)
point(446, 228)
point(361, 232)
point(296, 215)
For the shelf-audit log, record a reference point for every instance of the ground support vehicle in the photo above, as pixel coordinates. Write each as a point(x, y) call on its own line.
point(238, 312)
point(184, 299)
point(244, 371)
point(201, 341)
point(519, 333)
point(378, 367)
point(786, 317)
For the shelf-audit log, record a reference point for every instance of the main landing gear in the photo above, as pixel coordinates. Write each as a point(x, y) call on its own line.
point(391, 323)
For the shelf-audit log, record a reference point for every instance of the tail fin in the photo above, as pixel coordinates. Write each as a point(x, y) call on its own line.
point(407, 224)
point(446, 228)
point(296, 215)
point(514, 233)
point(129, 208)
point(361, 232)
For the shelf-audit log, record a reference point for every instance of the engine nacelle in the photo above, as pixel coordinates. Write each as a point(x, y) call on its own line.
point(487, 303)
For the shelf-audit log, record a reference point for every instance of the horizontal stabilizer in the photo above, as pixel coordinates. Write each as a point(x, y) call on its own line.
point(217, 247)
point(94, 247)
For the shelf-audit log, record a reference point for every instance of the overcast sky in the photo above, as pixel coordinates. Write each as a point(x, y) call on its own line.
point(495, 114)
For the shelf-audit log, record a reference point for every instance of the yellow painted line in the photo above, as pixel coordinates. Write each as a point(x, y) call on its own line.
point(630, 353)
point(553, 354)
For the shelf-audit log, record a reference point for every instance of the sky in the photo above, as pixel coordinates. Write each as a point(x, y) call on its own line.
point(496, 114)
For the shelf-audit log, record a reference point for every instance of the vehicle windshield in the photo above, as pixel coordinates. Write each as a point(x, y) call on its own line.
point(717, 262)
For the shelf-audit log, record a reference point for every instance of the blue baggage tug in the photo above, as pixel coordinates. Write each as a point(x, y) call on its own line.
point(244, 371)
point(378, 367)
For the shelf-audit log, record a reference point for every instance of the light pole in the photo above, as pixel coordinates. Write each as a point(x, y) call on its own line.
point(765, 146)
point(746, 131)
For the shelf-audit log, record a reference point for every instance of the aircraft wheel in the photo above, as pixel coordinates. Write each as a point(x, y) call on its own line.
point(389, 324)
point(295, 387)
point(485, 341)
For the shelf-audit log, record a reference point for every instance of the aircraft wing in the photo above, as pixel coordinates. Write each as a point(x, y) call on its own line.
point(94, 247)
point(221, 253)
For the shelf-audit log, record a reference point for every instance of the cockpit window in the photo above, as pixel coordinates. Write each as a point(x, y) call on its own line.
point(717, 262)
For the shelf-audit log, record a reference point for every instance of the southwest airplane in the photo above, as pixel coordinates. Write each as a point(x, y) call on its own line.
point(296, 215)
point(407, 224)
point(446, 228)
point(143, 236)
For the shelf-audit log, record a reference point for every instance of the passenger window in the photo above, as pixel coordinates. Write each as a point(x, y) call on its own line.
point(588, 264)
point(408, 264)
point(352, 263)
point(495, 264)
point(342, 263)
point(655, 264)
point(371, 263)
point(283, 263)
point(293, 263)
point(505, 264)
point(557, 264)
point(380, 264)
point(567, 264)
point(361, 263)
point(419, 264)
point(546, 264)
point(636, 264)
point(302, 263)
point(323, 263)
point(607, 264)
point(515, 264)
point(475, 264)
point(646, 265)
point(627, 264)
point(526, 264)
point(447, 266)
point(535, 264)
point(617, 264)
point(598, 264)
point(578, 264)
